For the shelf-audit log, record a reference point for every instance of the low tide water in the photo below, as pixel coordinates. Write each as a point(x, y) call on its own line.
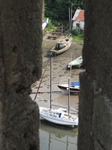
point(55, 137)
point(52, 136)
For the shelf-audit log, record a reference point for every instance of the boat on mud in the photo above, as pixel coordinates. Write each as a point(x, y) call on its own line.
point(74, 87)
point(58, 115)
point(76, 63)
point(62, 45)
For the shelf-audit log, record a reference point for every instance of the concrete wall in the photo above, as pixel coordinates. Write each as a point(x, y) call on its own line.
point(95, 105)
point(20, 66)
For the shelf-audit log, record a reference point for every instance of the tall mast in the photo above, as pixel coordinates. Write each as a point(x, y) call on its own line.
point(50, 79)
point(68, 94)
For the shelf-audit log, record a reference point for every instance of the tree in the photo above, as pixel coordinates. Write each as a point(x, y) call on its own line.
point(59, 9)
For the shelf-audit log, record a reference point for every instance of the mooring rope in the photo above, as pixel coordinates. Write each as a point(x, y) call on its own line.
point(41, 80)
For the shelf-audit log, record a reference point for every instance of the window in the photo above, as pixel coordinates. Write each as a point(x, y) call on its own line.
point(77, 25)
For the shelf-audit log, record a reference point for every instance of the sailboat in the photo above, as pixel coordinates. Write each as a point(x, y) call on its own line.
point(74, 87)
point(58, 115)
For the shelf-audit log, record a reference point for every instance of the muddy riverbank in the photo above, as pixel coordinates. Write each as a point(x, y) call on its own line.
point(60, 74)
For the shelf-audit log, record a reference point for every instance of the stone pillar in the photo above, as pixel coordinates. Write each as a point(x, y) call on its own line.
point(20, 66)
point(95, 105)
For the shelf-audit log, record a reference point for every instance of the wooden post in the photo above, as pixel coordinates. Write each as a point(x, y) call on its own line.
point(68, 94)
point(71, 18)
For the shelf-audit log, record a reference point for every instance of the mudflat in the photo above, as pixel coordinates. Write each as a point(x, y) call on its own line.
point(60, 74)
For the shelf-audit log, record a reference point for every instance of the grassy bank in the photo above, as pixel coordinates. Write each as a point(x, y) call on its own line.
point(77, 34)
point(77, 39)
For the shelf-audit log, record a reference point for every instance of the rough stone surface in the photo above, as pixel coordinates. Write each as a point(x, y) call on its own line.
point(102, 121)
point(20, 66)
point(97, 51)
point(95, 109)
point(86, 98)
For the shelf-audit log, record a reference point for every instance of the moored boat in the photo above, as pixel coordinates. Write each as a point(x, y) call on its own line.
point(62, 46)
point(76, 63)
point(74, 87)
point(58, 115)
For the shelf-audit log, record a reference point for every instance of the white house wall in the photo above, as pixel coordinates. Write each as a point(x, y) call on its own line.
point(81, 23)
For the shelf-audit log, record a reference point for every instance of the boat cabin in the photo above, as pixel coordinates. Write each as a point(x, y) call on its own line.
point(60, 45)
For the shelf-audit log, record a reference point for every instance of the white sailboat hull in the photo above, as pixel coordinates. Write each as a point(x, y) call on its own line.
point(58, 116)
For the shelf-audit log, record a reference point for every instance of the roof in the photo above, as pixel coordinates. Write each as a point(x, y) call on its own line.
point(79, 15)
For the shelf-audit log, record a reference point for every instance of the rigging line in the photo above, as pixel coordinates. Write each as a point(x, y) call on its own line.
point(41, 81)
point(61, 70)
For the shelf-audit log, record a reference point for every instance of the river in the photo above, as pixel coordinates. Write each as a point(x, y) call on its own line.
point(55, 137)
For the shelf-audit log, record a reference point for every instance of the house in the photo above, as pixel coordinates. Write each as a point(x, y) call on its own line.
point(78, 20)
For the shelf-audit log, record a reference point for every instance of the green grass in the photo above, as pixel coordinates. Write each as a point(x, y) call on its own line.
point(78, 39)
point(77, 35)
point(50, 26)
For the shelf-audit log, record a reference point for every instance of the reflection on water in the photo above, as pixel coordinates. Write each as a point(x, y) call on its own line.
point(55, 137)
